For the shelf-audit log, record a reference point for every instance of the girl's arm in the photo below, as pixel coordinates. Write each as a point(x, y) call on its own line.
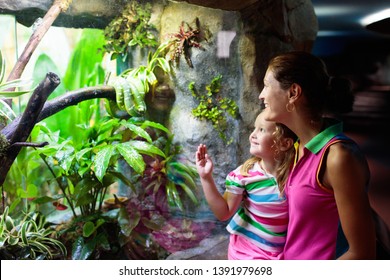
point(224, 206)
point(348, 174)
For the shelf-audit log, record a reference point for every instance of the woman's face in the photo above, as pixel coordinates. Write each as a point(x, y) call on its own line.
point(274, 98)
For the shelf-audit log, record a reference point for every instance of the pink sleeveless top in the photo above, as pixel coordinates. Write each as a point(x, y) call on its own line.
point(313, 215)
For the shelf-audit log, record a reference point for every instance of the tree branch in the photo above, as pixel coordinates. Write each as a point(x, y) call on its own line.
point(51, 15)
point(26, 122)
point(74, 97)
point(59, 103)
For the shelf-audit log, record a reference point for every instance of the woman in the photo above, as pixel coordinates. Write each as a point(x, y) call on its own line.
point(328, 184)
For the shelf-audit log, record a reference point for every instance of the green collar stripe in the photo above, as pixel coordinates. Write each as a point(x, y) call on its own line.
point(320, 140)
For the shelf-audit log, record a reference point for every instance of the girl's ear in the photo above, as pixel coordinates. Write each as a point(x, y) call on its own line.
point(286, 144)
point(294, 92)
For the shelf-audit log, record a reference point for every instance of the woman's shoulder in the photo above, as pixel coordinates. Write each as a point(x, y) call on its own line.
point(346, 155)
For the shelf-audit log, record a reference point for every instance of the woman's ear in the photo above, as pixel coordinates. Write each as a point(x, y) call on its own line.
point(294, 92)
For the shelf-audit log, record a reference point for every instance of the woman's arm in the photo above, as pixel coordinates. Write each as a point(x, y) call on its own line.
point(224, 206)
point(347, 173)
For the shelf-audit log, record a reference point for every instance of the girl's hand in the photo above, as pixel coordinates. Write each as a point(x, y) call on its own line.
point(204, 163)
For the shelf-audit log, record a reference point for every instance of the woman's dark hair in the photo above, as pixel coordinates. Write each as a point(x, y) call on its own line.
point(323, 93)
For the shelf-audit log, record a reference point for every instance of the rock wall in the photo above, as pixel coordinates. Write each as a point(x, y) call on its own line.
point(257, 33)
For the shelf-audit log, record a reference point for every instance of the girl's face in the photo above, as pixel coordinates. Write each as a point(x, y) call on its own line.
point(262, 139)
point(274, 98)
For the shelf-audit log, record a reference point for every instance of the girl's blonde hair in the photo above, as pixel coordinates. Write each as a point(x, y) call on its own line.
point(284, 159)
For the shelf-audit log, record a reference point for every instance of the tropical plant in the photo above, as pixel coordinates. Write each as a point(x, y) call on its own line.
point(166, 186)
point(181, 42)
point(27, 176)
point(29, 238)
point(84, 175)
point(130, 28)
point(132, 84)
point(85, 172)
point(213, 107)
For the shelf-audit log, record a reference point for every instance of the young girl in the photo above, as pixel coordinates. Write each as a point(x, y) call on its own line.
point(258, 228)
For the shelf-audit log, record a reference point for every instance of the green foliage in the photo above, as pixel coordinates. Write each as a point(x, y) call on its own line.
point(131, 28)
point(132, 85)
point(174, 176)
point(213, 108)
point(84, 69)
point(85, 172)
point(10, 84)
point(29, 238)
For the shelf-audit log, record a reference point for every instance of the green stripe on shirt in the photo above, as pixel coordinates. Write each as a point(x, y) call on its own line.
point(247, 219)
point(261, 184)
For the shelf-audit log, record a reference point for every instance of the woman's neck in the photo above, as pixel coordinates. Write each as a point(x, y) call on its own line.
point(306, 129)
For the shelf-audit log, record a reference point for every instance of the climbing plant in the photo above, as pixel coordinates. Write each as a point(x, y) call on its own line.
point(213, 107)
point(130, 28)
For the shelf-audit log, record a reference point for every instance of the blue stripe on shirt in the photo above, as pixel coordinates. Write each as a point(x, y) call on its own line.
point(265, 197)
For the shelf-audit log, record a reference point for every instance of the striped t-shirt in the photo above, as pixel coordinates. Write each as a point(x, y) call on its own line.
point(263, 215)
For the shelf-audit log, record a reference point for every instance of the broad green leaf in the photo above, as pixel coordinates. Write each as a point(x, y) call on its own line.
point(128, 221)
point(102, 161)
point(145, 148)
point(88, 229)
point(82, 251)
point(81, 153)
point(30, 192)
point(155, 125)
point(108, 125)
point(132, 157)
point(137, 130)
point(43, 65)
point(46, 199)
